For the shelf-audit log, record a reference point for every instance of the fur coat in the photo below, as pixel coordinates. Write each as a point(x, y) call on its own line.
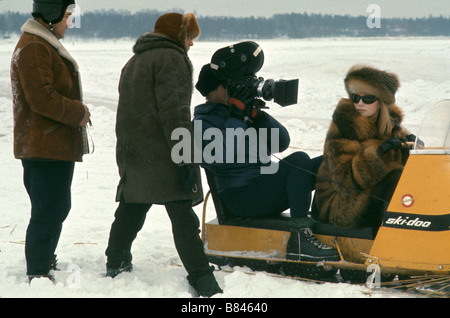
point(351, 166)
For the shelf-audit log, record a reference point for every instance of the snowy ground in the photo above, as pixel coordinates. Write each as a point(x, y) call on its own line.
point(321, 64)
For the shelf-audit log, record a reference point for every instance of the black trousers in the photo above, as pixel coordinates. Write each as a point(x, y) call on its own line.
point(271, 194)
point(129, 220)
point(48, 184)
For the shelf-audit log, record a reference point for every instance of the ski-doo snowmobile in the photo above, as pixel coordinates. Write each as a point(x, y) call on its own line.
point(412, 241)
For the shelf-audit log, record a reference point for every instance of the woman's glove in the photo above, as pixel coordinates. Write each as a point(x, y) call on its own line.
point(390, 144)
point(412, 138)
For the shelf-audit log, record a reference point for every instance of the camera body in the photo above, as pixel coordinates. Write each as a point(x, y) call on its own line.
point(282, 92)
point(238, 64)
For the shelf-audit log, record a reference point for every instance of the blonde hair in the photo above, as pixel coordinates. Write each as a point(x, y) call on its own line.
point(384, 122)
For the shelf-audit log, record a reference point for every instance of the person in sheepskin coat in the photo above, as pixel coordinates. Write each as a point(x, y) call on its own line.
point(364, 151)
point(49, 127)
point(155, 91)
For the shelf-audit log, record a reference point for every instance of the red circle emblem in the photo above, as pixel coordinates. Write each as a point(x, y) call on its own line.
point(407, 200)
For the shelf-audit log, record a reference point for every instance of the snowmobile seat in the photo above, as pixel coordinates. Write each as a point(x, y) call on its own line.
point(280, 223)
point(225, 217)
point(331, 230)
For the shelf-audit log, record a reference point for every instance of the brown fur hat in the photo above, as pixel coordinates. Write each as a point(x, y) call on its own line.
point(366, 80)
point(178, 26)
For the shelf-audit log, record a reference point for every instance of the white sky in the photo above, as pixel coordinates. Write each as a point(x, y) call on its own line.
point(267, 8)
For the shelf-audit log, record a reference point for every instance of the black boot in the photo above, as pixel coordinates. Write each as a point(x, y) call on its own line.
point(206, 285)
point(114, 270)
point(313, 249)
point(118, 261)
point(304, 246)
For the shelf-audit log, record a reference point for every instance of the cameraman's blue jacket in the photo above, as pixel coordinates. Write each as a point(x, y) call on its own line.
point(237, 173)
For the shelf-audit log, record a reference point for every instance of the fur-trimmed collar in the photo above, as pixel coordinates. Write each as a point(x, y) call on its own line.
point(34, 27)
point(351, 124)
point(150, 40)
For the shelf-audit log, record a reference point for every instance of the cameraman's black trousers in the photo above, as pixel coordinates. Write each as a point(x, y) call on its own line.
point(270, 194)
point(129, 220)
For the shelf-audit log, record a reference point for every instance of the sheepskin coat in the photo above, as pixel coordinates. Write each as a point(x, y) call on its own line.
point(47, 98)
point(351, 165)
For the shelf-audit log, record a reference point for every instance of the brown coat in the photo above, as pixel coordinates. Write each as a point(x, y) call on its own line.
point(155, 91)
point(353, 165)
point(47, 97)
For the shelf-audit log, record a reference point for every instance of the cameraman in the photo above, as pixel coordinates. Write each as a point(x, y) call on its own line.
point(244, 190)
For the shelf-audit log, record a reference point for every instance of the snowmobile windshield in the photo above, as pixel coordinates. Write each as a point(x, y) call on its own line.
point(434, 131)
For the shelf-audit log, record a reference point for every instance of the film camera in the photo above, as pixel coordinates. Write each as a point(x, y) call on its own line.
point(237, 65)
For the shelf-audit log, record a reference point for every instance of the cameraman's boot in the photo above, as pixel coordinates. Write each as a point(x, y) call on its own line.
point(304, 246)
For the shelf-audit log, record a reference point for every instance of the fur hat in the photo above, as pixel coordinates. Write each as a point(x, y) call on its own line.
point(207, 81)
point(177, 26)
point(366, 80)
point(51, 11)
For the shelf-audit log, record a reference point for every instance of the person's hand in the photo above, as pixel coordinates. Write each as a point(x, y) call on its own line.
point(86, 117)
point(412, 138)
point(242, 103)
point(390, 144)
point(188, 177)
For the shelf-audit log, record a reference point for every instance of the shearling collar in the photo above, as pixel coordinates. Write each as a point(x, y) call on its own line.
point(34, 27)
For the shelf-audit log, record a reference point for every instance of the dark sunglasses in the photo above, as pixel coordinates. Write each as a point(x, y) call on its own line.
point(368, 99)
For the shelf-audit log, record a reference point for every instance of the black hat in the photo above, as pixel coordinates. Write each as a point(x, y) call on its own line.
point(51, 11)
point(238, 61)
point(207, 81)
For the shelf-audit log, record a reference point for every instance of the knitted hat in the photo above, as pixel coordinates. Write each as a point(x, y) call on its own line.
point(177, 26)
point(207, 82)
point(51, 11)
point(366, 80)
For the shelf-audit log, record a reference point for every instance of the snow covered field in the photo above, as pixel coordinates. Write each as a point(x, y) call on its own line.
point(423, 67)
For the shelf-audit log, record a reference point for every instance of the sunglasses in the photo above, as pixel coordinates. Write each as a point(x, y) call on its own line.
point(368, 99)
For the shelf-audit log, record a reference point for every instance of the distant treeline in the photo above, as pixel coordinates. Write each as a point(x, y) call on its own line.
point(116, 24)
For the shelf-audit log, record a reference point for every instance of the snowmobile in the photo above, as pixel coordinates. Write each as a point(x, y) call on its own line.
point(411, 245)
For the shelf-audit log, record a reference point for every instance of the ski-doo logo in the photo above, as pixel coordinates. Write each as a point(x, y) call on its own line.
point(419, 222)
point(407, 222)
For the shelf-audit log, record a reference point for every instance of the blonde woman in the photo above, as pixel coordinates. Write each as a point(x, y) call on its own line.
point(364, 154)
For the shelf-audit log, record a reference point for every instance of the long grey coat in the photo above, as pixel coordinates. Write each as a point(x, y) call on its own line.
point(155, 91)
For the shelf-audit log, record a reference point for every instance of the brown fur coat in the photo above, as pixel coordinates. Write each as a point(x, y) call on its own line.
point(351, 165)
